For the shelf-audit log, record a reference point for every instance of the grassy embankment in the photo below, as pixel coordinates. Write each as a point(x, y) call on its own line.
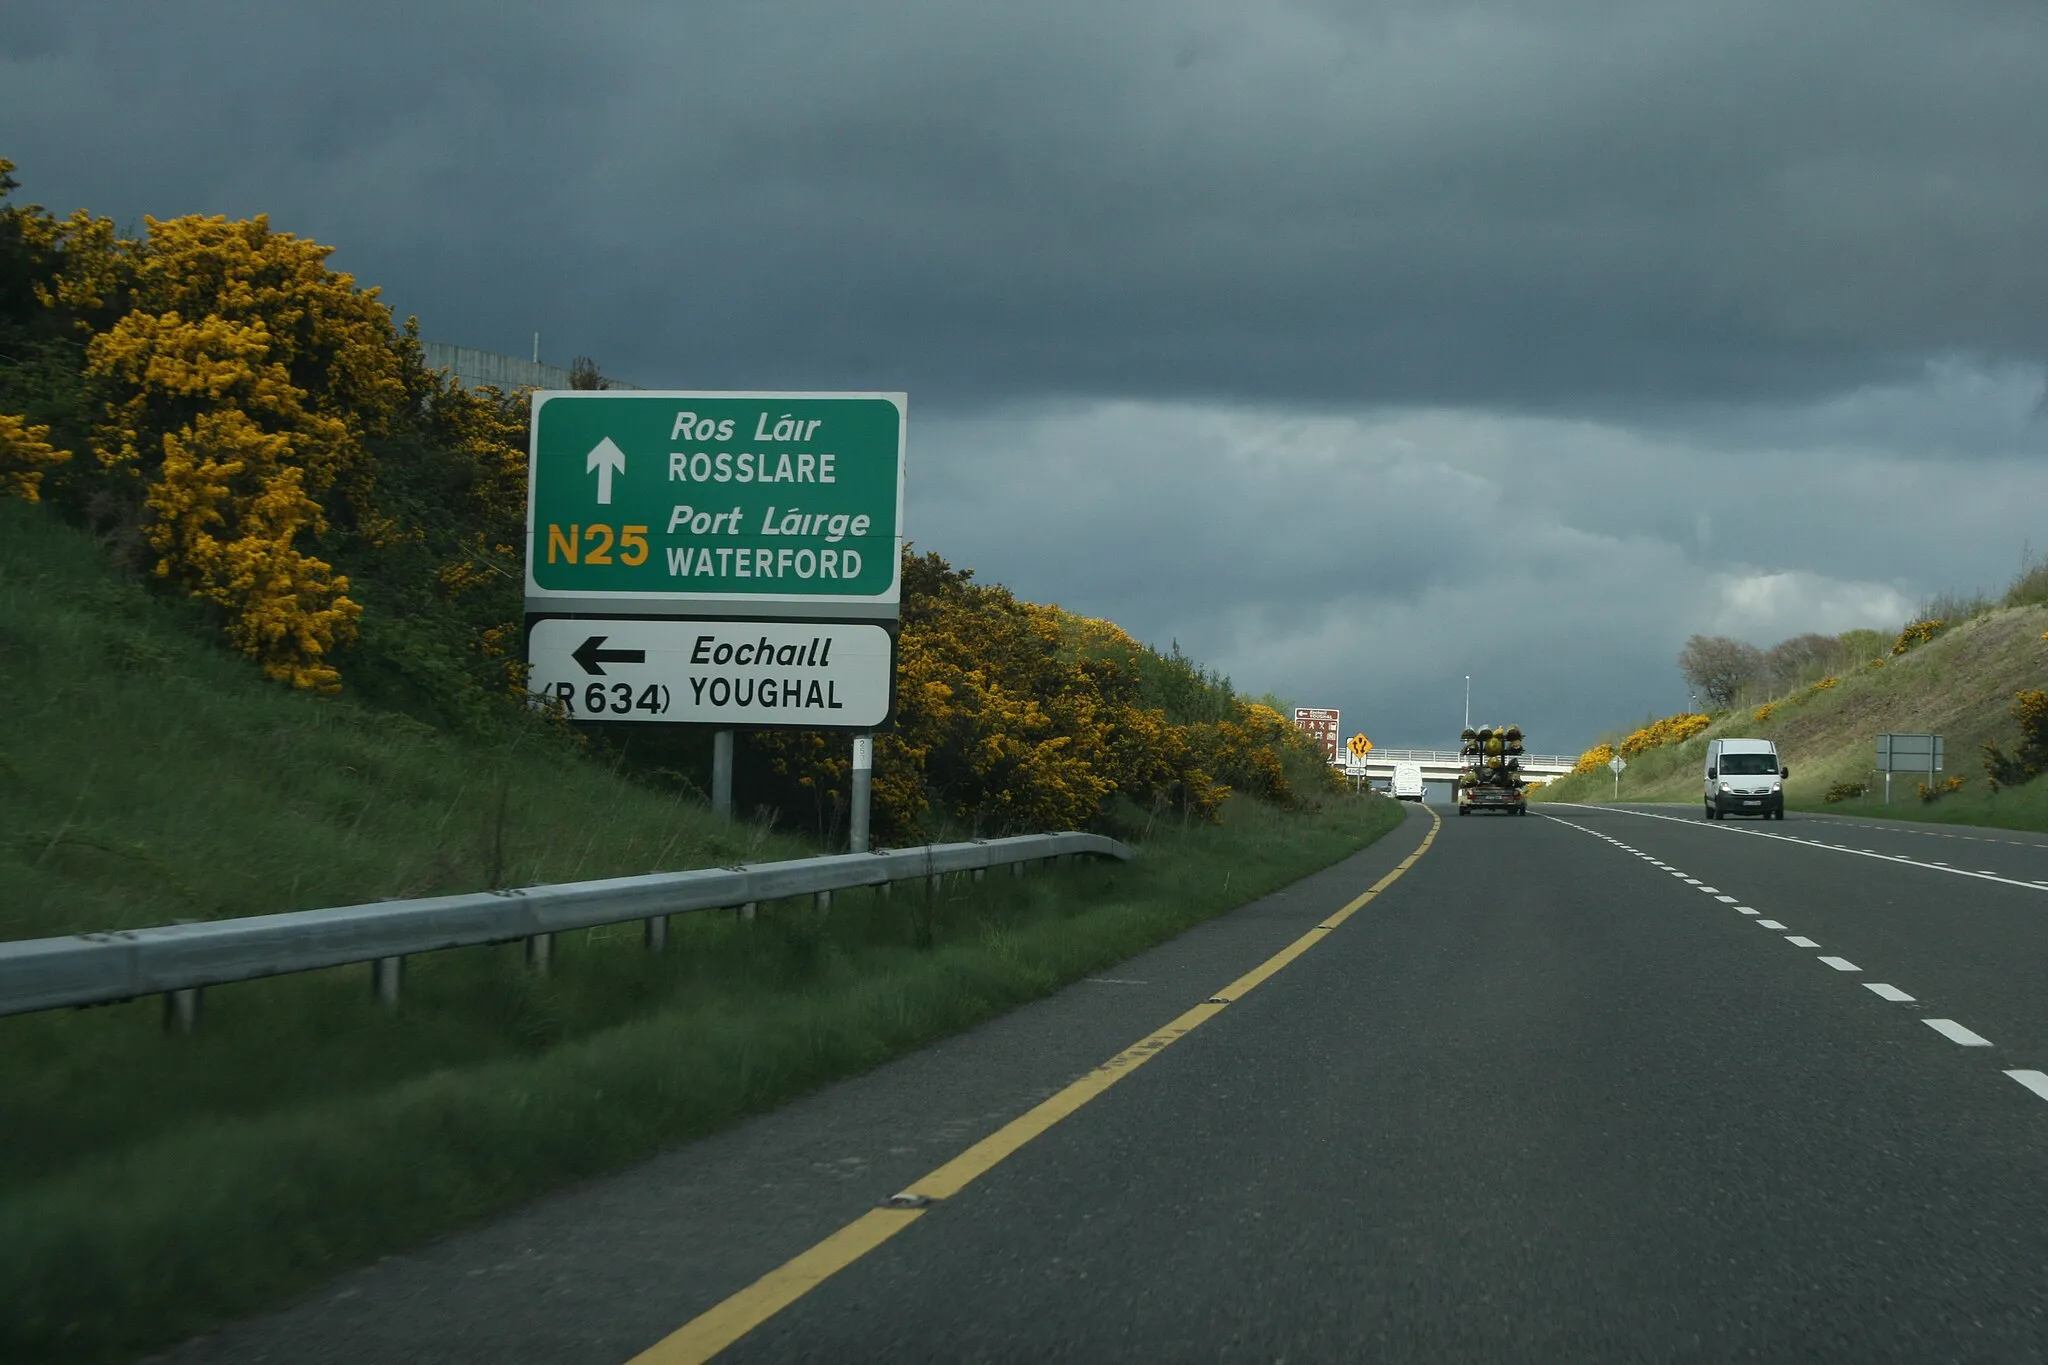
point(152, 1186)
point(1959, 685)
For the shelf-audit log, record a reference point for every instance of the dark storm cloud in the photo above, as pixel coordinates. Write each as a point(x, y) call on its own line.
point(1357, 347)
point(1529, 205)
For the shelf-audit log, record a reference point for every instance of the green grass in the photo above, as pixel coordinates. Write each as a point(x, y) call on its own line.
point(147, 776)
point(153, 1186)
point(2011, 808)
point(1959, 685)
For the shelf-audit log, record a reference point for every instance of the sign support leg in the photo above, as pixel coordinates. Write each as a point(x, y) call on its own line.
point(863, 790)
point(721, 774)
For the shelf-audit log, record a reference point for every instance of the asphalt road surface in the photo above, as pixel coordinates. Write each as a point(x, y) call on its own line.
point(1597, 1084)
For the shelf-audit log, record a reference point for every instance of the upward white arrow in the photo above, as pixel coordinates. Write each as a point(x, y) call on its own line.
point(607, 459)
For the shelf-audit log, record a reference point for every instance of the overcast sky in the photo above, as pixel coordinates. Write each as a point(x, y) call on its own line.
point(1357, 347)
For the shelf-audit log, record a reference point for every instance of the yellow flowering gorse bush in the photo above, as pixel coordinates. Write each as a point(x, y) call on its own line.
point(26, 455)
point(1670, 730)
point(1916, 635)
point(1594, 759)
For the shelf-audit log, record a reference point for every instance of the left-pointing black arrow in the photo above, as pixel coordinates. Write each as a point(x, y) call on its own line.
point(591, 656)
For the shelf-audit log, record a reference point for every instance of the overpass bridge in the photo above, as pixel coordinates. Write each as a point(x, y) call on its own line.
point(1443, 765)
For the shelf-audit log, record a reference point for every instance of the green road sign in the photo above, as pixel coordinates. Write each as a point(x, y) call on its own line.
point(784, 504)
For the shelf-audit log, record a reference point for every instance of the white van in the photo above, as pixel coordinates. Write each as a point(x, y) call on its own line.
point(1407, 781)
point(1745, 777)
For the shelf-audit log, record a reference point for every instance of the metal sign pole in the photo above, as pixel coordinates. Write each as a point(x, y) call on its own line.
point(721, 774)
point(863, 790)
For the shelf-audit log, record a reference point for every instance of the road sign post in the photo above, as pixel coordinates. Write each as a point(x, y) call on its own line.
point(1615, 765)
point(863, 791)
point(721, 774)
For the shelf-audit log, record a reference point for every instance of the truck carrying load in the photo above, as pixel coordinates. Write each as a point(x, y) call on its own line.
point(1491, 775)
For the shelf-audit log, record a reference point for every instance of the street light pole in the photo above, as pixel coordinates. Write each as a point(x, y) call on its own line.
point(1468, 701)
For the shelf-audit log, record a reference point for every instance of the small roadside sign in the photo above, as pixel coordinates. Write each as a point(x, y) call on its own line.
point(1358, 746)
point(757, 675)
point(1322, 722)
point(1616, 764)
point(728, 504)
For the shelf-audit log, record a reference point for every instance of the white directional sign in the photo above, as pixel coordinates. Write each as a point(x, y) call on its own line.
point(742, 674)
point(1617, 764)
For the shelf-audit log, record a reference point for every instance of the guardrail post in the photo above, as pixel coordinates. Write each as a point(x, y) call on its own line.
point(540, 948)
point(824, 902)
point(181, 1010)
point(747, 911)
point(656, 937)
point(721, 774)
point(385, 973)
point(980, 873)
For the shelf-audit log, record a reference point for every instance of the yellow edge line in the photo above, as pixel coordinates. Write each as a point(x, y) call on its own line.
point(719, 1327)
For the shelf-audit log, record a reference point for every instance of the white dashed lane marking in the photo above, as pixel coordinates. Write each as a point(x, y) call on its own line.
point(2029, 884)
point(1962, 1036)
point(2036, 1081)
point(1956, 1033)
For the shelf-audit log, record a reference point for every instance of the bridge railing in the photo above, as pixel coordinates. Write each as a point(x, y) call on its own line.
point(1451, 758)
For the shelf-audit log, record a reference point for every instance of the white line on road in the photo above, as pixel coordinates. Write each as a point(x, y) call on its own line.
point(1841, 964)
point(1800, 941)
point(1956, 1033)
point(1889, 992)
point(1770, 924)
point(2036, 1081)
point(2032, 885)
point(1726, 900)
point(1743, 909)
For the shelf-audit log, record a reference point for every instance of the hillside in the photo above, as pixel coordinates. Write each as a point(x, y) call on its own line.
point(1959, 685)
point(147, 775)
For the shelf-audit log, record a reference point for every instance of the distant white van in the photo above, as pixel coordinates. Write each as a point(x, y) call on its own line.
point(1407, 781)
point(1745, 777)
